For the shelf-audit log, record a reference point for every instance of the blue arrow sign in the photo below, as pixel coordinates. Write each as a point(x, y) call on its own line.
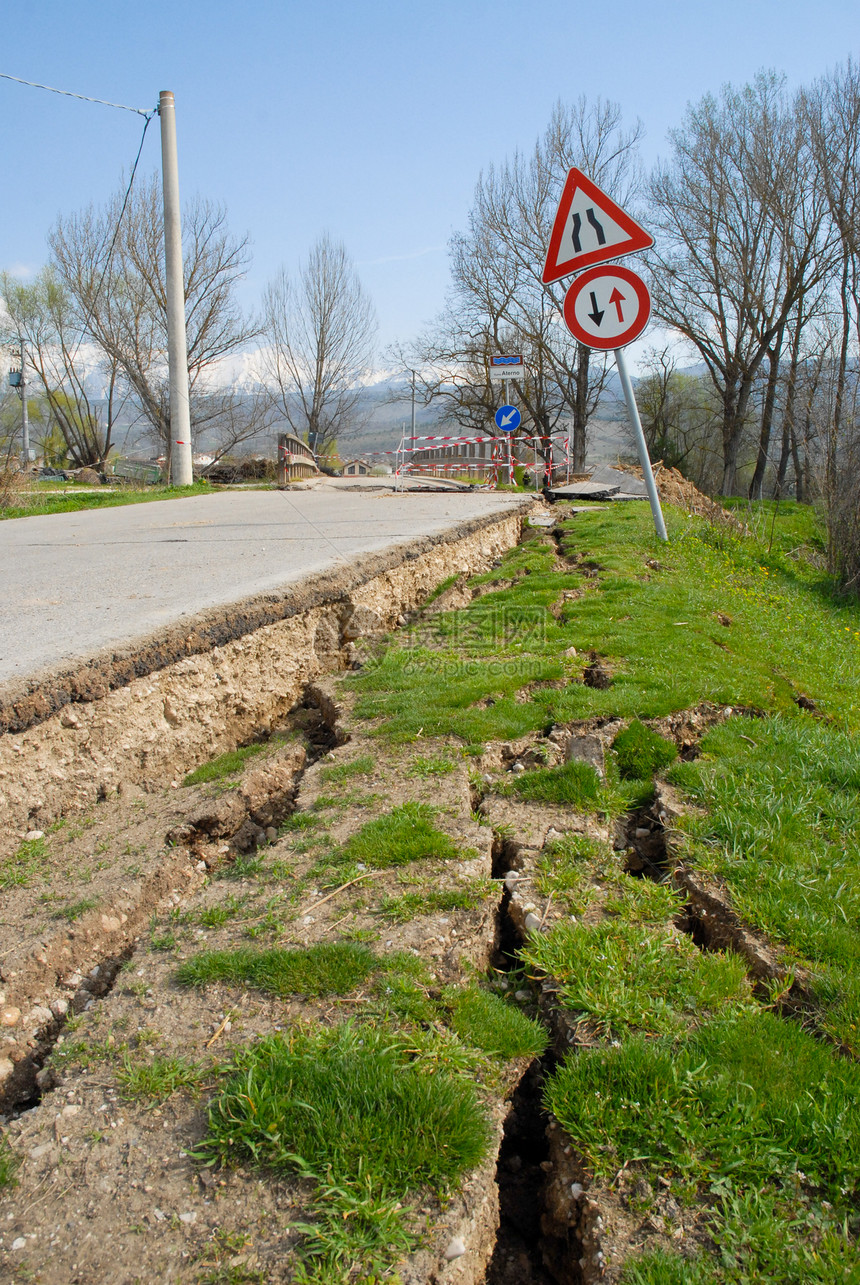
point(508, 418)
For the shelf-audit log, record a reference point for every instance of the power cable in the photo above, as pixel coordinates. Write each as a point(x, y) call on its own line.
point(125, 200)
point(34, 84)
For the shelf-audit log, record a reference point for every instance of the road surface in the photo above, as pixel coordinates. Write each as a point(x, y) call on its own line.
point(75, 583)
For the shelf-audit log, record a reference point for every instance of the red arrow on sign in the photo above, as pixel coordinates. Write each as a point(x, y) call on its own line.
point(589, 228)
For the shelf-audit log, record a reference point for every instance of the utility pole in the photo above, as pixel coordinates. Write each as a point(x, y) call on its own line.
point(25, 417)
point(18, 379)
point(179, 453)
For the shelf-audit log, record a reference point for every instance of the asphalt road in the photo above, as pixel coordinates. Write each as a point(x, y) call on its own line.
point(75, 583)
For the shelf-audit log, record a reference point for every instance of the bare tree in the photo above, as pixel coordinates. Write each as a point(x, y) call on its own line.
point(498, 300)
point(113, 269)
point(44, 316)
point(832, 113)
point(320, 333)
point(740, 240)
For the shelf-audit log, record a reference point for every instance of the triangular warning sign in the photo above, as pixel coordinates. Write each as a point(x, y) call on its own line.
point(589, 228)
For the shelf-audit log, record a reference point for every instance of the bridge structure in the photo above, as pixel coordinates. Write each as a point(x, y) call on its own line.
point(295, 459)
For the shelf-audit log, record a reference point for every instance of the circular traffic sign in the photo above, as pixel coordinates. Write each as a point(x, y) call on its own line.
point(607, 307)
point(508, 418)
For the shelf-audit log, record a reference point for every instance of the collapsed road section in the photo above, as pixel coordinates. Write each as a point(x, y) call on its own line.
point(139, 716)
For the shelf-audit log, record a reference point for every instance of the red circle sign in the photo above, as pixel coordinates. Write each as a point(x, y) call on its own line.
point(607, 307)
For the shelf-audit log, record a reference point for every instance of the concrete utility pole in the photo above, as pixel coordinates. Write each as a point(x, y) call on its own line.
point(25, 417)
point(177, 345)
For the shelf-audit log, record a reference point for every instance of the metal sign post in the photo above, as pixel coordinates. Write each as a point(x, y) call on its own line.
point(641, 444)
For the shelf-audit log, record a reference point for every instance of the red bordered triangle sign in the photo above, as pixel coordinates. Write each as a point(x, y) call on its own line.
point(589, 228)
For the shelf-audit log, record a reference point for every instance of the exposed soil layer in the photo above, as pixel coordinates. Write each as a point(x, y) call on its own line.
point(140, 719)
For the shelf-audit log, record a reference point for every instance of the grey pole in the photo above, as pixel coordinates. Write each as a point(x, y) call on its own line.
point(25, 418)
point(177, 347)
point(641, 445)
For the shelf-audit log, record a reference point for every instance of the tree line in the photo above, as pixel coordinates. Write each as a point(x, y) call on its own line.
point(94, 328)
point(754, 275)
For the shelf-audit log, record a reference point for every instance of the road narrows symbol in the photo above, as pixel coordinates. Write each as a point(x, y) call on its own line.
point(574, 233)
point(598, 227)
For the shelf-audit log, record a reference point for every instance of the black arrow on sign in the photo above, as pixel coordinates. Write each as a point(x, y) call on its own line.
point(598, 227)
point(596, 315)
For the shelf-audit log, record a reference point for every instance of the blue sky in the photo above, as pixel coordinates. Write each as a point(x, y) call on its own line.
point(369, 120)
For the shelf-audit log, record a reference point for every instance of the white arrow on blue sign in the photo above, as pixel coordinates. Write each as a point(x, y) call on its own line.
point(508, 418)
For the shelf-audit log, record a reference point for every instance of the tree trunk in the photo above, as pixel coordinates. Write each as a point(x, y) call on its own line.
point(773, 357)
point(580, 411)
point(790, 403)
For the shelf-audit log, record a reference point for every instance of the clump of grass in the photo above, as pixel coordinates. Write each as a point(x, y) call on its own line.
point(621, 975)
point(361, 766)
point(405, 834)
point(410, 905)
point(751, 1110)
point(75, 909)
point(299, 821)
point(433, 765)
point(350, 1103)
point(330, 968)
point(9, 1162)
point(484, 1020)
point(641, 752)
point(357, 1230)
point(28, 862)
point(575, 784)
point(158, 1079)
point(224, 766)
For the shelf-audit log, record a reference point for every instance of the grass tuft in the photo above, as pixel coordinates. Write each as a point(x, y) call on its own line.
point(330, 968)
point(576, 784)
point(641, 753)
point(9, 1163)
point(621, 975)
point(350, 1103)
point(409, 905)
point(405, 834)
point(224, 766)
point(158, 1079)
point(484, 1020)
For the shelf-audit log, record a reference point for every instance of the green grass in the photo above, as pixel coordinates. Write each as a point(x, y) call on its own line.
point(640, 752)
point(224, 766)
point(659, 632)
point(75, 909)
point(751, 1113)
point(620, 975)
point(361, 766)
point(782, 830)
point(575, 785)
point(409, 905)
point(490, 1024)
point(332, 968)
point(351, 1103)
point(42, 503)
point(432, 765)
point(9, 1163)
point(405, 834)
point(157, 1080)
point(28, 863)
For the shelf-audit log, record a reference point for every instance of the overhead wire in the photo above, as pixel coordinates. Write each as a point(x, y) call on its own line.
point(103, 102)
point(125, 201)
